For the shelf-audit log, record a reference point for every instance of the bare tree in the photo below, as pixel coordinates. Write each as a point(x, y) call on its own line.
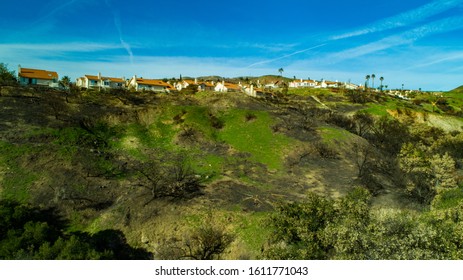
point(169, 176)
point(206, 242)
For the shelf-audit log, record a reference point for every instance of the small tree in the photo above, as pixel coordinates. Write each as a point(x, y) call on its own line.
point(169, 177)
point(7, 77)
point(65, 82)
point(426, 175)
point(281, 71)
point(206, 242)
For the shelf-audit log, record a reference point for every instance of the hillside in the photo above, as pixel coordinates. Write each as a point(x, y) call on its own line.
point(157, 166)
point(457, 90)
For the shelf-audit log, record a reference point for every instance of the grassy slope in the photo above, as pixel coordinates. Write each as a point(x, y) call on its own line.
point(158, 127)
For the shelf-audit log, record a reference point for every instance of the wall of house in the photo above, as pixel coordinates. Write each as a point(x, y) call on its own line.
point(39, 82)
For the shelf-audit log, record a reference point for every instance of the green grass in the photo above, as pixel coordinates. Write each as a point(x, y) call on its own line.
point(330, 134)
point(381, 109)
point(252, 230)
point(309, 91)
point(16, 179)
point(255, 137)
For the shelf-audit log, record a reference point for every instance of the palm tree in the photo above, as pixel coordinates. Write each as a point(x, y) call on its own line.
point(381, 79)
point(373, 76)
point(65, 82)
point(367, 78)
point(281, 71)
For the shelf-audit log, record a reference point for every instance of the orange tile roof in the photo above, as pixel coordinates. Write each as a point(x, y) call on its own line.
point(91, 77)
point(114, 80)
point(152, 82)
point(207, 84)
point(38, 74)
point(191, 82)
point(232, 86)
point(95, 78)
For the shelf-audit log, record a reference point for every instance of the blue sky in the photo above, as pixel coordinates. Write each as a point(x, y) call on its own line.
point(415, 43)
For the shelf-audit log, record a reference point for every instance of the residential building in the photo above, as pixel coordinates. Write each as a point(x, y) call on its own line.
point(99, 82)
point(303, 84)
point(227, 87)
point(27, 76)
point(140, 84)
point(184, 84)
point(206, 86)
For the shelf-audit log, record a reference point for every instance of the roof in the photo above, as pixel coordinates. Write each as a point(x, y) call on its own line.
point(232, 86)
point(37, 74)
point(91, 77)
point(114, 80)
point(96, 78)
point(207, 84)
point(190, 82)
point(304, 81)
point(152, 82)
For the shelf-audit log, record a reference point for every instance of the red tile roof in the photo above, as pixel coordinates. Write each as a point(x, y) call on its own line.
point(91, 77)
point(152, 82)
point(232, 86)
point(38, 74)
point(114, 80)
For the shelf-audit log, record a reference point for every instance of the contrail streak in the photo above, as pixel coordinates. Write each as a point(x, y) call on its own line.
point(285, 56)
point(118, 25)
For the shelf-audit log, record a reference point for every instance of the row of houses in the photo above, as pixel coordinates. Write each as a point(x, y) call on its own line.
point(142, 84)
point(321, 84)
point(28, 76)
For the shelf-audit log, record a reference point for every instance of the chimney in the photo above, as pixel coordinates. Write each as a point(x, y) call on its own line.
point(19, 69)
point(99, 75)
point(196, 81)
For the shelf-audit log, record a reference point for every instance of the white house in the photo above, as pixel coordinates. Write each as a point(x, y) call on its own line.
point(184, 84)
point(252, 91)
point(89, 81)
point(206, 86)
point(27, 76)
point(303, 84)
point(350, 86)
point(227, 87)
point(331, 84)
point(140, 84)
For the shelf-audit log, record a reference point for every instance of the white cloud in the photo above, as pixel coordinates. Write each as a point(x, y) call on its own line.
point(404, 19)
point(407, 37)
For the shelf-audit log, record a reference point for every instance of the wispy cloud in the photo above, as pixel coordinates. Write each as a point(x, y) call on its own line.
point(441, 58)
point(407, 37)
point(400, 20)
point(404, 19)
point(285, 56)
point(55, 10)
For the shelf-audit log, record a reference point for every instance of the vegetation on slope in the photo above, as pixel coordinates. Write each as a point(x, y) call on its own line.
point(154, 167)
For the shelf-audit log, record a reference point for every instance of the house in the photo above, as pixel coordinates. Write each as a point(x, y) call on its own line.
point(89, 81)
point(252, 91)
point(140, 84)
point(227, 87)
point(184, 84)
point(351, 86)
point(331, 84)
point(206, 86)
point(303, 84)
point(273, 85)
point(27, 76)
